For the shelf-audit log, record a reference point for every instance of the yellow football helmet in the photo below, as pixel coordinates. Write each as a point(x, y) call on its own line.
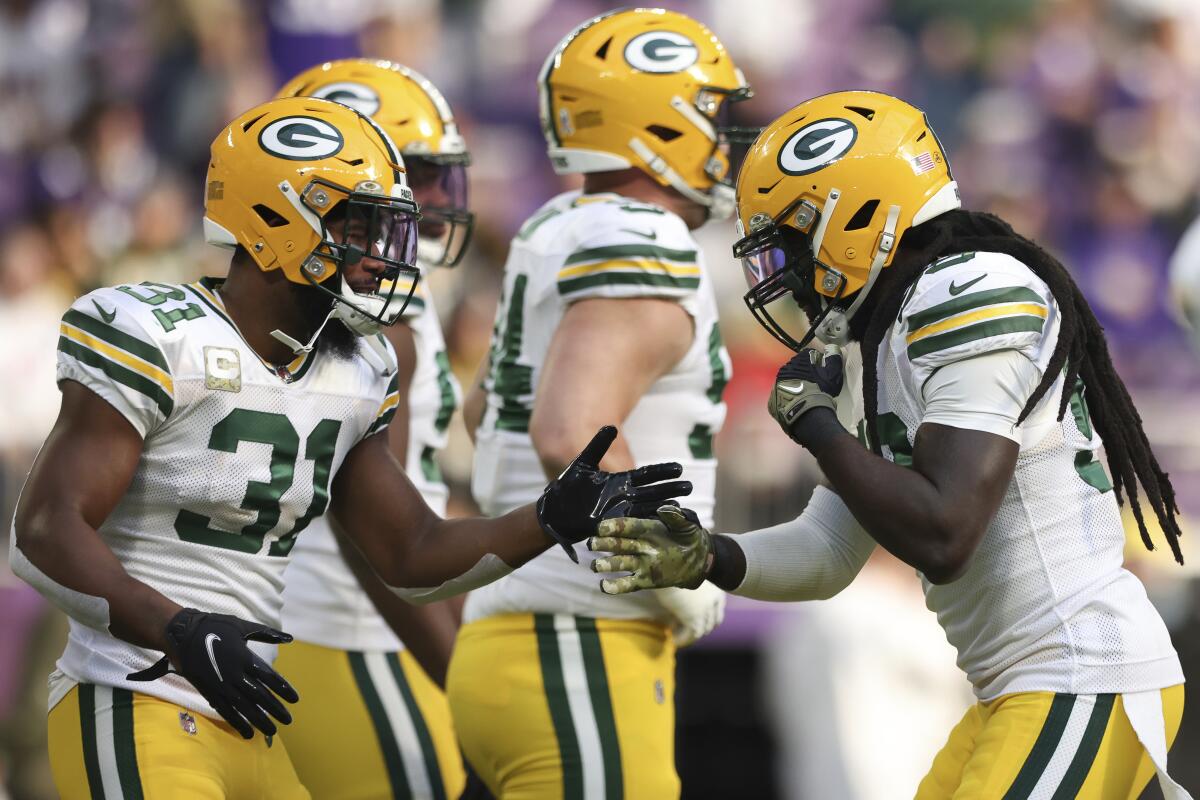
point(284, 172)
point(824, 195)
point(417, 117)
point(644, 88)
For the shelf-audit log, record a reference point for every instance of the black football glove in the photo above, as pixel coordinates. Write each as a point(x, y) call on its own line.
point(811, 379)
point(575, 502)
point(212, 654)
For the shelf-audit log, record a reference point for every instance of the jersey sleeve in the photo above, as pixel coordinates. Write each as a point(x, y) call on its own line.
point(387, 409)
point(972, 304)
point(416, 303)
point(985, 393)
point(103, 345)
point(627, 250)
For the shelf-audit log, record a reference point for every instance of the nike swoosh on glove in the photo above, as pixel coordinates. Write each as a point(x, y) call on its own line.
point(574, 503)
point(211, 652)
point(811, 379)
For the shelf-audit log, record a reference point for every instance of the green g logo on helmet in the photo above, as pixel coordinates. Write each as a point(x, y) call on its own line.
point(661, 52)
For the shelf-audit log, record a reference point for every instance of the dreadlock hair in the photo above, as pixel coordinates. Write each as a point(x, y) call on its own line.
point(1081, 349)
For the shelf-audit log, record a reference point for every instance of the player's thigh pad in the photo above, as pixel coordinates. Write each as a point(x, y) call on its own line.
point(1047, 745)
point(368, 724)
point(112, 743)
point(556, 706)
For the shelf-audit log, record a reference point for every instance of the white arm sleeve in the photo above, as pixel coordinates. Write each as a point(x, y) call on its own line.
point(88, 609)
point(487, 569)
point(985, 393)
point(813, 557)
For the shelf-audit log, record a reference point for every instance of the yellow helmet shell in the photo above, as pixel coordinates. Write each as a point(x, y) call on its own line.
point(405, 103)
point(868, 164)
point(639, 88)
point(279, 168)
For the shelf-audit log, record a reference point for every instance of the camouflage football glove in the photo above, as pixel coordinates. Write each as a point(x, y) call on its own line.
point(810, 380)
point(673, 550)
point(210, 651)
point(575, 502)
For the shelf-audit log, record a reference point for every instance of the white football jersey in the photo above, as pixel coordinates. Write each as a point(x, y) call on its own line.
point(323, 602)
point(578, 247)
point(237, 459)
point(1045, 604)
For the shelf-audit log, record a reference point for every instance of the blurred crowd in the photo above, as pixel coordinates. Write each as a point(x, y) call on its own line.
point(1076, 120)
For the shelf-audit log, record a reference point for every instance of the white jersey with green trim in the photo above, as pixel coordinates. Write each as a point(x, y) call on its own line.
point(577, 247)
point(323, 602)
point(237, 459)
point(1045, 604)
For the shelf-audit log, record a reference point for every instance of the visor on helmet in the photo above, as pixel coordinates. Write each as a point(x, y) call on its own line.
point(376, 227)
point(778, 262)
point(439, 184)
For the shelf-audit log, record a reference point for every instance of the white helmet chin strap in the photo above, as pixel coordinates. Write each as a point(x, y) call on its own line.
point(719, 200)
point(835, 328)
point(299, 347)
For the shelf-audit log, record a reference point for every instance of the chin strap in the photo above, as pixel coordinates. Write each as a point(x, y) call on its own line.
point(297, 346)
point(835, 326)
point(719, 200)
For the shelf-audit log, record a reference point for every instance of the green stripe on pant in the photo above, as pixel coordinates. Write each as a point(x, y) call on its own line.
point(383, 726)
point(560, 709)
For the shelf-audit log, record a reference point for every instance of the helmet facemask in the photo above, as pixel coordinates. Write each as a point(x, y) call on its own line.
point(778, 262)
point(353, 226)
point(440, 181)
point(708, 112)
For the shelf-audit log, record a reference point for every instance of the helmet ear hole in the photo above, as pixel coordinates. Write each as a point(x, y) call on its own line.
point(862, 217)
point(270, 216)
point(663, 132)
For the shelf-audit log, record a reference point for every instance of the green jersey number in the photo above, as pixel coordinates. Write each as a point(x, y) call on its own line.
point(263, 497)
point(510, 379)
point(155, 294)
point(1085, 460)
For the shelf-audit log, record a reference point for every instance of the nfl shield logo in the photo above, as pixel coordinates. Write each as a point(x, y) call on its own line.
point(188, 723)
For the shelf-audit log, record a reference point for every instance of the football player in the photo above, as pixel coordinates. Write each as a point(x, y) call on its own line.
point(557, 689)
point(204, 426)
point(987, 391)
point(354, 672)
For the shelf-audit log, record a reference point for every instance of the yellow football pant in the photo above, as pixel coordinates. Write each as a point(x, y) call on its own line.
point(113, 743)
point(1042, 744)
point(551, 706)
point(368, 725)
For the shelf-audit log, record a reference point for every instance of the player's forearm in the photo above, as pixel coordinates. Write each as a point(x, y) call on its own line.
point(67, 561)
point(452, 556)
point(900, 508)
point(428, 632)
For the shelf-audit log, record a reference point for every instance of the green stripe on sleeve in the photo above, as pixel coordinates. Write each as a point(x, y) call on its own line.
point(428, 752)
point(1043, 748)
point(124, 746)
point(87, 728)
point(131, 344)
point(606, 724)
point(700, 442)
point(968, 302)
point(618, 252)
point(720, 377)
point(379, 720)
point(119, 373)
point(560, 709)
point(980, 330)
point(381, 422)
point(616, 278)
point(1089, 745)
point(949, 261)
